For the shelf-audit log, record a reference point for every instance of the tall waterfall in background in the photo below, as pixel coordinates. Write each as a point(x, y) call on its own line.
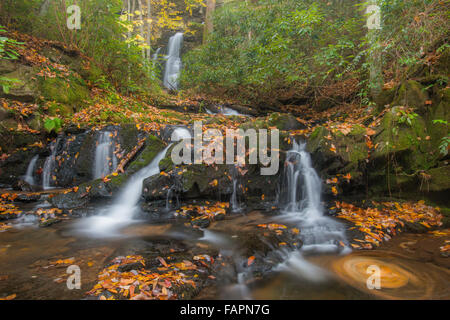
point(30, 170)
point(173, 64)
point(49, 165)
point(105, 159)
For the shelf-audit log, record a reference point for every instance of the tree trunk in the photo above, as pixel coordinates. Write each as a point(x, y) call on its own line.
point(209, 26)
point(375, 62)
point(141, 26)
point(44, 8)
point(149, 29)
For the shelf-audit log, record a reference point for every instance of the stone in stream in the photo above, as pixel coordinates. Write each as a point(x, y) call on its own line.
point(201, 181)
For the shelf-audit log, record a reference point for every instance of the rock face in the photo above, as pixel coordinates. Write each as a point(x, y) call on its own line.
point(282, 121)
point(25, 88)
point(74, 156)
point(405, 158)
point(219, 181)
point(100, 189)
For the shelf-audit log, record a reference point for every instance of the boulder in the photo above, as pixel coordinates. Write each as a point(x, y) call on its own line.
point(25, 89)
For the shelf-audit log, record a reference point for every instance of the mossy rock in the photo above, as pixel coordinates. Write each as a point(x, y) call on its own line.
point(255, 124)
point(36, 122)
point(58, 109)
point(412, 145)
point(70, 91)
point(284, 121)
point(412, 94)
point(385, 98)
point(440, 179)
point(153, 145)
point(26, 88)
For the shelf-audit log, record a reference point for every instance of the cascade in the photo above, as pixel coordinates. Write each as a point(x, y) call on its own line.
point(30, 171)
point(105, 159)
point(173, 63)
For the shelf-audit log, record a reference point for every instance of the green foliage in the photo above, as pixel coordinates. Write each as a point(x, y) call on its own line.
point(268, 47)
point(8, 47)
point(53, 125)
point(101, 37)
point(274, 44)
point(443, 146)
point(7, 83)
point(445, 141)
point(407, 117)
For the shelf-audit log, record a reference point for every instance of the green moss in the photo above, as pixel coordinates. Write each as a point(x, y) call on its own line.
point(58, 109)
point(71, 91)
point(440, 179)
point(153, 146)
point(283, 121)
point(358, 131)
point(412, 94)
point(255, 124)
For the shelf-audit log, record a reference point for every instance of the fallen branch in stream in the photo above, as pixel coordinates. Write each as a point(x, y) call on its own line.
point(123, 163)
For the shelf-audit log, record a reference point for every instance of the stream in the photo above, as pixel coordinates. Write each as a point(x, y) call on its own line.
point(26, 253)
point(297, 253)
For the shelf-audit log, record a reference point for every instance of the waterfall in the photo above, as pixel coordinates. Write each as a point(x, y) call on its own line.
point(49, 165)
point(173, 64)
point(304, 188)
point(180, 133)
point(299, 169)
point(229, 112)
point(235, 206)
point(319, 233)
point(105, 159)
point(30, 171)
point(122, 211)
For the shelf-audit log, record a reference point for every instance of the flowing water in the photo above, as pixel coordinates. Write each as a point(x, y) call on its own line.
point(320, 269)
point(105, 159)
point(173, 63)
point(234, 201)
point(29, 176)
point(319, 234)
point(121, 213)
point(49, 165)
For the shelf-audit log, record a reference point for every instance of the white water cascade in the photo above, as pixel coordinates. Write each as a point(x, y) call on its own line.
point(30, 170)
point(234, 201)
point(121, 213)
point(319, 233)
point(49, 165)
point(173, 64)
point(105, 159)
point(180, 133)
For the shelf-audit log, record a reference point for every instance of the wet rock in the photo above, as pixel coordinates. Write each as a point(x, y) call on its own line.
point(130, 266)
point(28, 197)
point(49, 222)
point(15, 166)
point(210, 181)
point(26, 88)
point(105, 189)
point(22, 185)
point(201, 222)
